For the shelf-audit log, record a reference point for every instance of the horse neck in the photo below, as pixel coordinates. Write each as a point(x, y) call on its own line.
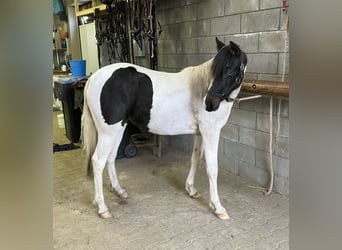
point(200, 77)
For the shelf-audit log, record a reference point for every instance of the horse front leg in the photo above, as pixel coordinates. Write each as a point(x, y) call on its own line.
point(210, 143)
point(195, 159)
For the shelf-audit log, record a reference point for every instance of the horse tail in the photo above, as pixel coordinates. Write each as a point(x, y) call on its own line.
point(88, 135)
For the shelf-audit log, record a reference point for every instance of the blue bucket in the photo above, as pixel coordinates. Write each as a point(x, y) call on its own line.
point(78, 67)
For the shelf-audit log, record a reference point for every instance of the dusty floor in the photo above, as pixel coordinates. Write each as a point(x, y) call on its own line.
point(159, 214)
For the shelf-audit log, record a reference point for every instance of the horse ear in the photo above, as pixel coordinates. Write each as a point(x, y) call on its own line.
point(219, 44)
point(234, 48)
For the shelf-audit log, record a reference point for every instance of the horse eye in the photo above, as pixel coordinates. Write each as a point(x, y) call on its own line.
point(230, 73)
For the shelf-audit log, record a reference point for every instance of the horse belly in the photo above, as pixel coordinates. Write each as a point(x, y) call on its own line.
point(172, 118)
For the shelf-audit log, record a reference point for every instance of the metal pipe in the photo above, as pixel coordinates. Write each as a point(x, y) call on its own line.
point(238, 100)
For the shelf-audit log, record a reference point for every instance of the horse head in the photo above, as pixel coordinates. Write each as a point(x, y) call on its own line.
point(228, 69)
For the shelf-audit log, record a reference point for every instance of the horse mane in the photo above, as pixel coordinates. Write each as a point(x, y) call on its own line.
point(200, 78)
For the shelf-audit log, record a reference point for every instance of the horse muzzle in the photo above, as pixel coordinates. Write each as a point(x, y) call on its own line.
point(212, 103)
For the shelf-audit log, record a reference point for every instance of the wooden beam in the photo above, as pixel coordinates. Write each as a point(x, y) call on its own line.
point(264, 87)
point(90, 10)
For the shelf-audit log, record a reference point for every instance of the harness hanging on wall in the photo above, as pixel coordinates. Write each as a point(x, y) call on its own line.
point(144, 28)
point(111, 33)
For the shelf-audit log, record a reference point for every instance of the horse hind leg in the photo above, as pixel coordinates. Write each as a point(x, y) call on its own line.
point(99, 159)
point(114, 181)
point(195, 160)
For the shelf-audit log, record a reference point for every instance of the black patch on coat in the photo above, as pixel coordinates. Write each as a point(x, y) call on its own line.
point(127, 95)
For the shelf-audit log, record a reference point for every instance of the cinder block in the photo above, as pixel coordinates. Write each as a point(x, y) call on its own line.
point(241, 6)
point(207, 44)
point(281, 185)
point(247, 42)
point(262, 160)
point(225, 25)
point(264, 20)
point(171, 4)
point(283, 63)
point(162, 17)
point(263, 124)
point(258, 105)
point(273, 77)
point(254, 138)
point(281, 146)
point(256, 175)
point(210, 9)
point(165, 32)
point(240, 152)
point(174, 31)
point(163, 69)
point(280, 165)
point(283, 20)
point(167, 46)
point(194, 1)
point(283, 105)
point(243, 118)
point(228, 163)
point(142, 61)
point(189, 13)
point(194, 60)
point(250, 75)
point(176, 61)
point(263, 63)
point(276, 41)
point(162, 61)
point(187, 46)
point(197, 28)
point(268, 4)
point(230, 132)
point(183, 14)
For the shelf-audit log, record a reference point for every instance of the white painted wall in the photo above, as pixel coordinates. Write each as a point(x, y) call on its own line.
point(89, 47)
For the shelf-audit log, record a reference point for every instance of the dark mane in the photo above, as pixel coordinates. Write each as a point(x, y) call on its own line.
point(223, 56)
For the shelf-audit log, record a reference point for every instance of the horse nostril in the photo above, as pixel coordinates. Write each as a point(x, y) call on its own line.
point(208, 106)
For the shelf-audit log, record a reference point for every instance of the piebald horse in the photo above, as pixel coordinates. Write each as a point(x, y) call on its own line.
point(197, 100)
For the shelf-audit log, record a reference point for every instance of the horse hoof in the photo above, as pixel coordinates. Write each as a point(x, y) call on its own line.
point(196, 195)
point(105, 215)
point(223, 216)
point(124, 195)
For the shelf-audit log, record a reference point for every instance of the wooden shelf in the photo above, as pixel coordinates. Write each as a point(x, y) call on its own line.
point(89, 10)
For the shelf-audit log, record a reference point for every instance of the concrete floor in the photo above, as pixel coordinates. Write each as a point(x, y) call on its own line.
point(159, 213)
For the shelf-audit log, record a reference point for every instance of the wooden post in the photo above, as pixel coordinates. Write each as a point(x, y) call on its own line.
point(76, 7)
point(264, 87)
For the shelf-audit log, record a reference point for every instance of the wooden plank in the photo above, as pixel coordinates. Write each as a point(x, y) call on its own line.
point(90, 10)
point(264, 87)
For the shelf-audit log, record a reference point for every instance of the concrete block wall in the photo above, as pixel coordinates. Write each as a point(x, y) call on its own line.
point(244, 143)
point(189, 28)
